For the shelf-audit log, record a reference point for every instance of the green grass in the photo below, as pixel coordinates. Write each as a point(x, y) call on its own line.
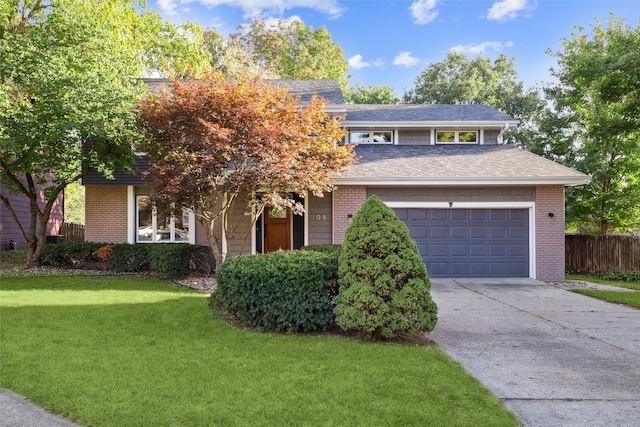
point(628, 285)
point(627, 298)
point(113, 351)
point(13, 259)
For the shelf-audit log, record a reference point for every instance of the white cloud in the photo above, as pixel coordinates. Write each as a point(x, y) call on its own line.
point(507, 9)
point(405, 59)
point(479, 48)
point(273, 22)
point(256, 8)
point(168, 7)
point(357, 63)
point(424, 11)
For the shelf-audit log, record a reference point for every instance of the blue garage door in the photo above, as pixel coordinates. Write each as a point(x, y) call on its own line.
point(471, 242)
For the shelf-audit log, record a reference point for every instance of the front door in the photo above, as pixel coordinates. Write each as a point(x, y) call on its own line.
point(277, 229)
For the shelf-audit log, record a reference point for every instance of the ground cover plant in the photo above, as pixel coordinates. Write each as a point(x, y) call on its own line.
point(130, 351)
point(605, 281)
point(629, 298)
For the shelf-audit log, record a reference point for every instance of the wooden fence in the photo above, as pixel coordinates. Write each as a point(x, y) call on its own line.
point(594, 254)
point(72, 232)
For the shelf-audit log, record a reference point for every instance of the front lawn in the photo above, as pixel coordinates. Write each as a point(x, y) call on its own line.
point(619, 297)
point(131, 351)
point(592, 279)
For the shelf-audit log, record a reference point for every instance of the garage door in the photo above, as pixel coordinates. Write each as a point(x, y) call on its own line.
point(471, 242)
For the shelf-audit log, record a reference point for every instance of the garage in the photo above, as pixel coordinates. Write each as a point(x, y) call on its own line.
point(471, 242)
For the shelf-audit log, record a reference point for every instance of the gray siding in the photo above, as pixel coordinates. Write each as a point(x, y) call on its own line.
point(320, 219)
point(413, 137)
point(453, 194)
point(239, 226)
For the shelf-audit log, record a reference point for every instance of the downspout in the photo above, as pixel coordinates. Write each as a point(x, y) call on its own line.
point(500, 135)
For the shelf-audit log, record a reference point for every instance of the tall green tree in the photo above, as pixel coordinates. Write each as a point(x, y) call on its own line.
point(461, 80)
point(597, 119)
point(68, 72)
point(293, 50)
point(378, 94)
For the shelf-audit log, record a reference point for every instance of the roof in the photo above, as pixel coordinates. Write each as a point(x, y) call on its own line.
point(455, 165)
point(414, 114)
point(327, 89)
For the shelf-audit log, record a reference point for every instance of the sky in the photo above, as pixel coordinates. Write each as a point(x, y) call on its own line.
point(390, 42)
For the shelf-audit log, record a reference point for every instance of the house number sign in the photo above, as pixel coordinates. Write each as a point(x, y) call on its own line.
point(320, 217)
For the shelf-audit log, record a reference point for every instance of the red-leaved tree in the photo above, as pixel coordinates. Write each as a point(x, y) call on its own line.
point(214, 142)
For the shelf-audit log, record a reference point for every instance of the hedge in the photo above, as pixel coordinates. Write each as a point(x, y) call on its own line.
point(168, 260)
point(280, 291)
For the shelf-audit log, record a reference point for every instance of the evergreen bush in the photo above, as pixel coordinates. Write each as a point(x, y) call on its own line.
point(280, 291)
point(383, 282)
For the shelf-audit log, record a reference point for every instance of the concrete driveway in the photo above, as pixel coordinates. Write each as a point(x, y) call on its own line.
point(554, 357)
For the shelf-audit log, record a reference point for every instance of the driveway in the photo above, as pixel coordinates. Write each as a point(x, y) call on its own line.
point(554, 357)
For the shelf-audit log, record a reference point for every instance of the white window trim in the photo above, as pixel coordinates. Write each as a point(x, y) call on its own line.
point(456, 137)
point(392, 132)
point(485, 205)
point(132, 221)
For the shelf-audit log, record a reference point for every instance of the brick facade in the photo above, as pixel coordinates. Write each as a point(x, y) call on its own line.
point(549, 214)
point(105, 215)
point(346, 202)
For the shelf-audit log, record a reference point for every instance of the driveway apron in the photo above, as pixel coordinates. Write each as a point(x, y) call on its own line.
point(554, 357)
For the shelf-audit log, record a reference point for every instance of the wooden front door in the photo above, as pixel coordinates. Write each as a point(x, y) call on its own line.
point(277, 229)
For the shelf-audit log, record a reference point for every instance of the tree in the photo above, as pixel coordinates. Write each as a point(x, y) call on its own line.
point(460, 80)
point(597, 118)
point(293, 50)
point(215, 142)
point(360, 94)
point(67, 77)
point(383, 282)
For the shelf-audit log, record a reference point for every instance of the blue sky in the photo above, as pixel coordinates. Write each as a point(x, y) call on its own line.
point(391, 42)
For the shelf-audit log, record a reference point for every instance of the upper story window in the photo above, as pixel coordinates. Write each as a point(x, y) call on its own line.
point(456, 137)
point(371, 137)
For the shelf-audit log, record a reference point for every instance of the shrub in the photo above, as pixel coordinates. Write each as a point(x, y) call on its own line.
point(129, 258)
point(280, 291)
point(383, 282)
point(171, 260)
point(103, 253)
point(69, 255)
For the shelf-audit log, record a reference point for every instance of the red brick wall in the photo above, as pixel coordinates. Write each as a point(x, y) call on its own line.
point(106, 214)
point(550, 233)
point(346, 201)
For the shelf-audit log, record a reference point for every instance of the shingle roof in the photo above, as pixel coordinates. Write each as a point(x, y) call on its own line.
point(327, 89)
point(481, 164)
point(424, 113)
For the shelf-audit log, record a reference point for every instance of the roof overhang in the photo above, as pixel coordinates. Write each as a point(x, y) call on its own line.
point(463, 181)
point(428, 124)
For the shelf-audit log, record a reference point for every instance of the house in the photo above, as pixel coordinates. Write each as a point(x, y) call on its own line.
point(10, 237)
point(475, 206)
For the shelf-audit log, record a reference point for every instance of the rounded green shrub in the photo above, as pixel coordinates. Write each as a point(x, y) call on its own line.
point(383, 282)
point(280, 291)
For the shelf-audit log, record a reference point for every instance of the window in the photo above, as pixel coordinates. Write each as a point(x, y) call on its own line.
point(372, 137)
point(154, 227)
point(456, 137)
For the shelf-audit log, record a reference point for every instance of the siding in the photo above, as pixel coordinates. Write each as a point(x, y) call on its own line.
point(453, 194)
point(320, 219)
point(20, 204)
point(239, 227)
